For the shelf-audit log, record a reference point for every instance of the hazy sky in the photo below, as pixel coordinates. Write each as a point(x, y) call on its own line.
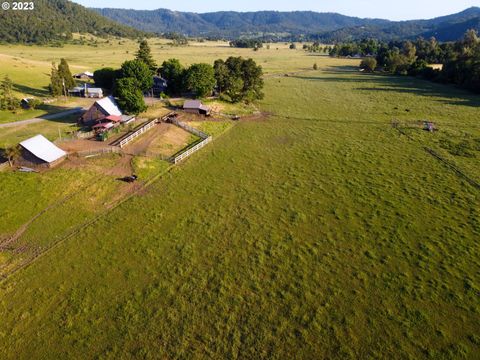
point(394, 10)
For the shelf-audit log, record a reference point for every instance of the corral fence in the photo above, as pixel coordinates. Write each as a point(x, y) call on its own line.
point(127, 139)
point(96, 152)
point(206, 139)
point(190, 129)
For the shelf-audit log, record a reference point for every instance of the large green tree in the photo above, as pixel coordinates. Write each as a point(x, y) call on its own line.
point(200, 79)
point(105, 78)
point(144, 54)
point(173, 71)
point(130, 97)
point(239, 79)
point(138, 71)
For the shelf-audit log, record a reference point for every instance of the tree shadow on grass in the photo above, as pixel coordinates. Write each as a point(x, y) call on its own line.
point(447, 94)
point(27, 90)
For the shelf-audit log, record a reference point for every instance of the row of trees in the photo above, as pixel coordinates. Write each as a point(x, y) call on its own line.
point(460, 60)
point(247, 43)
point(236, 79)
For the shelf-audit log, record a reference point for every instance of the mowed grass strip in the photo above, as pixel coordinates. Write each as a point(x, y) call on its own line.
point(318, 233)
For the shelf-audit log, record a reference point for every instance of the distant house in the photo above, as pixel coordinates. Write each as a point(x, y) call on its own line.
point(159, 85)
point(39, 151)
point(85, 91)
point(95, 93)
point(196, 107)
point(84, 76)
point(100, 110)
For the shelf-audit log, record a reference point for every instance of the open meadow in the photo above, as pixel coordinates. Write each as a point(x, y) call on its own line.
point(319, 231)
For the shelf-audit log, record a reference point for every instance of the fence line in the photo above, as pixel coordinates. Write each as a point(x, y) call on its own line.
point(190, 129)
point(206, 139)
point(110, 150)
point(122, 142)
point(192, 150)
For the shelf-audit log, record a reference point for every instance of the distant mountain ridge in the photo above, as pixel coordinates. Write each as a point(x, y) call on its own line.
point(53, 20)
point(323, 26)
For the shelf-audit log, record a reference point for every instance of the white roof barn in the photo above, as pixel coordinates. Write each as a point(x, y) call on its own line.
point(101, 109)
point(43, 149)
point(110, 106)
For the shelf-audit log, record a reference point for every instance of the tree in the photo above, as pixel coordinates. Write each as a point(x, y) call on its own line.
point(252, 80)
point(65, 74)
point(56, 83)
point(140, 72)
point(369, 64)
point(239, 79)
point(221, 74)
point(7, 99)
point(130, 97)
point(144, 54)
point(293, 46)
point(173, 71)
point(200, 78)
point(315, 66)
point(105, 78)
point(11, 154)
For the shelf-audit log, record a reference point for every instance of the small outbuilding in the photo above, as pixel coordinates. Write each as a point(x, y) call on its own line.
point(100, 110)
point(196, 107)
point(39, 151)
point(87, 75)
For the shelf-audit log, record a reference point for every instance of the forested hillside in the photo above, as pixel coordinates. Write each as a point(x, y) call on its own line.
point(53, 20)
point(294, 25)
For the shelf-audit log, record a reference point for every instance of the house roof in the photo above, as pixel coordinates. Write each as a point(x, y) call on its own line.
point(109, 105)
point(43, 149)
point(103, 126)
point(114, 118)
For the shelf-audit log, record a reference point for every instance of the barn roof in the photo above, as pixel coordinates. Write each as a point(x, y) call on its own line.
point(195, 104)
point(110, 106)
point(43, 149)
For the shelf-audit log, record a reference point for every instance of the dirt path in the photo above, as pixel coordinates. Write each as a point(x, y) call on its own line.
point(74, 111)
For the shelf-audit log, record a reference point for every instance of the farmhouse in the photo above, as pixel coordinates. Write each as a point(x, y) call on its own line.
point(39, 151)
point(100, 110)
point(85, 91)
point(84, 76)
point(159, 85)
point(196, 107)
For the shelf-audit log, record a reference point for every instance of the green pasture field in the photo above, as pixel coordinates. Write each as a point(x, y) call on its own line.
point(319, 232)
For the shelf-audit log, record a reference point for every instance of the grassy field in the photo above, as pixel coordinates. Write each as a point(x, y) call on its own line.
point(320, 232)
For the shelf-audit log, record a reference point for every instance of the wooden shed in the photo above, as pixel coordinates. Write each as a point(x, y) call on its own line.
point(196, 107)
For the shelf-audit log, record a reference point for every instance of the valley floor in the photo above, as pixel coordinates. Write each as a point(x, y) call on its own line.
point(319, 232)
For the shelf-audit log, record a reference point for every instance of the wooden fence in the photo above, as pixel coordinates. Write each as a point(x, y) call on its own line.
point(110, 150)
point(206, 139)
point(190, 129)
point(192, 150)
point(127, 139)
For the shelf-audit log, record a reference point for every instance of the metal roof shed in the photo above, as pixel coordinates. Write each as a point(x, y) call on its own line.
point(41, 151)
